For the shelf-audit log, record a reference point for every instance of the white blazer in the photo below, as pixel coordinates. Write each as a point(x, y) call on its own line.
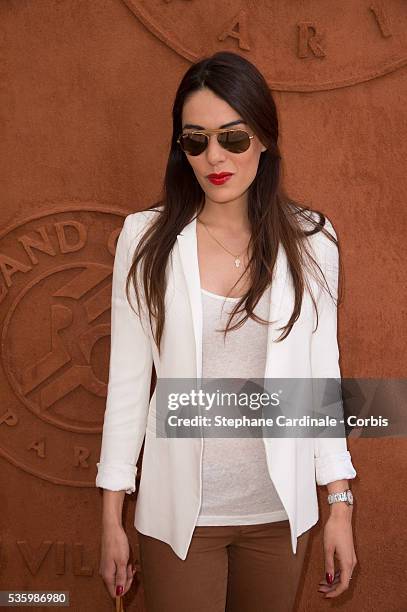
point(169, 495)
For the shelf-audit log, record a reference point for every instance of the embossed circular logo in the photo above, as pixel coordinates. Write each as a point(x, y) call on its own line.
point(55, 340)
point(314, 46)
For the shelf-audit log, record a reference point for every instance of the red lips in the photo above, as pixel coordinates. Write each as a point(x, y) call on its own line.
point(220, 175)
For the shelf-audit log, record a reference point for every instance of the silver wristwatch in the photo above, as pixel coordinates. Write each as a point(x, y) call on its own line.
point(345, 496)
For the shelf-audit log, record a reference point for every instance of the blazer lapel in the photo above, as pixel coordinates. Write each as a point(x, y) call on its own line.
point(188, 250)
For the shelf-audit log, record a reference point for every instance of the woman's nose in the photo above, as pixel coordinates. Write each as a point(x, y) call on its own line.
point(214, 151)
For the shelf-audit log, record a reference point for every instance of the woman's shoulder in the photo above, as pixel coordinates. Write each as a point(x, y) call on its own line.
point(137, 221)
point(312, 222)
point(319, 232)
point(317, 228)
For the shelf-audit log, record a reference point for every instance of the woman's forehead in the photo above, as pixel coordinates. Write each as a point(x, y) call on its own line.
point(205, 110)
point(196, 126)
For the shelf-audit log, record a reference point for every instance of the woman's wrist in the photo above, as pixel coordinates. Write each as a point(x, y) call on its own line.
point(341, 510)
point(112, 508)
point(111, 521)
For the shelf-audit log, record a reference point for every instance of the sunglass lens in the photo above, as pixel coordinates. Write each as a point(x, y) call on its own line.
point(193, 144)
point(235, 142)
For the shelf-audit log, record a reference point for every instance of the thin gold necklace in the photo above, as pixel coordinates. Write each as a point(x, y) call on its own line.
point(236, 257)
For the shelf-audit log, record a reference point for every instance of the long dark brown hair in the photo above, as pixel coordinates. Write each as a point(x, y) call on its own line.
point(274, 217)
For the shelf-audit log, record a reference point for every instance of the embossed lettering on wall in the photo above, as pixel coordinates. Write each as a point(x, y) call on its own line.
point(309, 39)
point(52, 556)
point(238, 28)
point(56, 272)
point(382, 19)
point(298, 48)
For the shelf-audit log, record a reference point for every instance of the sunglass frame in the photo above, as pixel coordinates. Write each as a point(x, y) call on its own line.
point(207, 133)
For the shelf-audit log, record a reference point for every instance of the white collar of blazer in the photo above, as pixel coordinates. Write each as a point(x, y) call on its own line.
point(188, 250)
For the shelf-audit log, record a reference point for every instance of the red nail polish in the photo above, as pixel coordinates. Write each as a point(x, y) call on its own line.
point(119, 589)
point(329, 578)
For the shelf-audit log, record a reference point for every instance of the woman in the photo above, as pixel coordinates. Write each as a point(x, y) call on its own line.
point(223, 524)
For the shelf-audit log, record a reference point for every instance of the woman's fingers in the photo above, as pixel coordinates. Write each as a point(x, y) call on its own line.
point(345, 576)
point(120, 579)
point(340, 584)
point(108, 574)
point(324, 587)
point(336, 578)
point(130, 575)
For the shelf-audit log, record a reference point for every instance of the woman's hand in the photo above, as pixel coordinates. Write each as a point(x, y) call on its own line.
point(338, 541)
point(114, 567)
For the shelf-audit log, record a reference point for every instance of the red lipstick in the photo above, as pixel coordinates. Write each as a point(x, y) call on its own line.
point(220, 178)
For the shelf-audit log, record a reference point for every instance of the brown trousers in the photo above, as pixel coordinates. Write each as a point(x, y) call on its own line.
point(242, 568)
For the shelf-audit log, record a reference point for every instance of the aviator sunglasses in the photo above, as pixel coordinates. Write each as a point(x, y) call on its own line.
point(234, 140)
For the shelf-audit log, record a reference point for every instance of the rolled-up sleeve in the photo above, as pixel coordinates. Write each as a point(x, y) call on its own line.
point(332, 458)
point(130, 369)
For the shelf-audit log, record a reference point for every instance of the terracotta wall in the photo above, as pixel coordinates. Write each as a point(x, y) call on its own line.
point(85, 99)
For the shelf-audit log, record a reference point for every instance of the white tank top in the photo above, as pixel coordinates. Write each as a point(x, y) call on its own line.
point(236, 484)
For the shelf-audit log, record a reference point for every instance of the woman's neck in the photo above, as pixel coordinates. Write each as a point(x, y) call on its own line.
point(225, 216)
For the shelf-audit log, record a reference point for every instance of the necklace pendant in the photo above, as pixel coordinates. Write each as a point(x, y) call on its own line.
point(237, 262)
